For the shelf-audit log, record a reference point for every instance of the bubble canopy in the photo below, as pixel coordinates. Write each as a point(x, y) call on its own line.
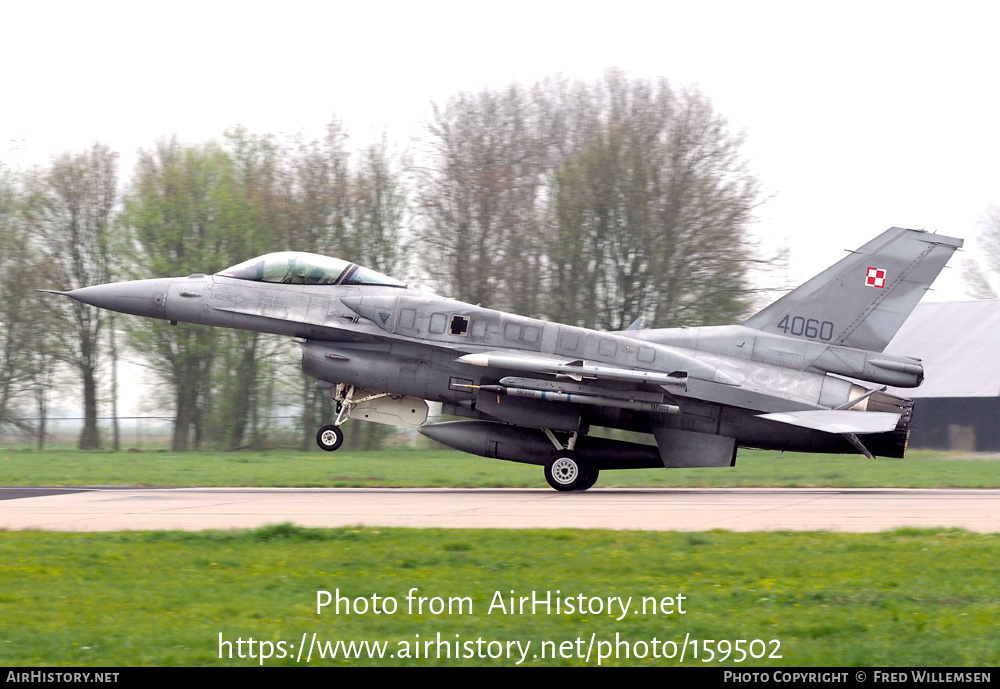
point(301, 268)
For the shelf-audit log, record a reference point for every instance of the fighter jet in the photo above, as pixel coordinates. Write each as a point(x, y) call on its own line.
point(808, 373)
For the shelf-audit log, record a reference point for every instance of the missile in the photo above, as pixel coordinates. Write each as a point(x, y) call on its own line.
point(631, 394)
point(578, 370)
point(577, 398)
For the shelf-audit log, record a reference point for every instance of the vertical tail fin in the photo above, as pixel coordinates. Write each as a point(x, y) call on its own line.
point(863, 299)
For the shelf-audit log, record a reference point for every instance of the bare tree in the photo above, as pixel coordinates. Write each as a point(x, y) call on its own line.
point(704, 250)
point(29, 321)
point(980, 280)
point(590, 205)
point(608, 199)
point(17, 279)
point(378, 204)
point(315, 193)
point(177, 221)
point(478, 195)
point(79, 195)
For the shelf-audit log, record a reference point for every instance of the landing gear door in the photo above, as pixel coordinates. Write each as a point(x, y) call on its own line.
point(689, 449)
point(392, 410)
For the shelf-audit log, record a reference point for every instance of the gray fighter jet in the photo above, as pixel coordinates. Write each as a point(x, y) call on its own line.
point(808, 373)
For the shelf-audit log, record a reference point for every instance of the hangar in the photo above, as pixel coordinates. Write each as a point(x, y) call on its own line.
point(958, 405)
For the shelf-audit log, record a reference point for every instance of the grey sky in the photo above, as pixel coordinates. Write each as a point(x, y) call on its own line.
point(859, 116)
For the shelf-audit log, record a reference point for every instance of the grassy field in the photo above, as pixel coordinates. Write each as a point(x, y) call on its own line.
point(167, 598)
point(447, 468)
point(903, 598)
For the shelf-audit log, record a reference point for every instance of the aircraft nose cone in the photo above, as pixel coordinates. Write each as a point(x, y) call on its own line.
point(138, 297)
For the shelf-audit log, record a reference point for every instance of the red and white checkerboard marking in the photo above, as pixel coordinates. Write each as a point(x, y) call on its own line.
point(876, 277)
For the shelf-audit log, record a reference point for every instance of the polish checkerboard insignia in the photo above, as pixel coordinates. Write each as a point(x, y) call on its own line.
point(875, 277)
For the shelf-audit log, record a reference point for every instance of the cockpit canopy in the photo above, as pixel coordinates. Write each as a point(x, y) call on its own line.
point(301, 268)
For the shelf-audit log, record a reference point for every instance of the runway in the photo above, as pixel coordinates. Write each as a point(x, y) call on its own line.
point(857, 510)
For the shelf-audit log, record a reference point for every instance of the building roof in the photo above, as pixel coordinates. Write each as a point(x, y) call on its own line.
point(959, 343)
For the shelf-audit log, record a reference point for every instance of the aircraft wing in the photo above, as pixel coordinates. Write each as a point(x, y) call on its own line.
point(591, 391)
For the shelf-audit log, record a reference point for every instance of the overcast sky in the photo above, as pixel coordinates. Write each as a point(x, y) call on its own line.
point(858, 116)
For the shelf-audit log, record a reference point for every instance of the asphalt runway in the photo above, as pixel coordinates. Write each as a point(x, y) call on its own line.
point(856, 510)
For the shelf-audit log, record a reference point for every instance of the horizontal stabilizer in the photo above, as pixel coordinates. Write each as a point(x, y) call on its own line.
point(838, 421)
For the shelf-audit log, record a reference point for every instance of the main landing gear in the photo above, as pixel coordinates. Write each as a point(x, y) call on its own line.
point(566, 471)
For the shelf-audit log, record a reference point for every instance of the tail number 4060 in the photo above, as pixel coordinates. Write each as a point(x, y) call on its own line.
point(807, 327)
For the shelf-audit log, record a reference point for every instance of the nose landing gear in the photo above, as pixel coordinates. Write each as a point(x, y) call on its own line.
point(330, 437)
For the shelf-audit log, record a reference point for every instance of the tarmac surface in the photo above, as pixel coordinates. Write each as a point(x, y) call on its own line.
point(856, 510)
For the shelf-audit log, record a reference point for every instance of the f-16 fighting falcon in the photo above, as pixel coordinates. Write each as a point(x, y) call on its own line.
point(808, 373)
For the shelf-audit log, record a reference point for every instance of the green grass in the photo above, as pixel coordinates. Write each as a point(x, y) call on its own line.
point(899, 598)
point(447, 468)
point(163, 598)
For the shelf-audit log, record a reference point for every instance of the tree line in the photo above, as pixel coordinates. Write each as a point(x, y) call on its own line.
point(588, 204)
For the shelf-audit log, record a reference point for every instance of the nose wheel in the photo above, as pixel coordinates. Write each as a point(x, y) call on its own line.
point(330, 437)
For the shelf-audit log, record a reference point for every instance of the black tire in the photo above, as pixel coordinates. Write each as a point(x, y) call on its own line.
point(564, 471)
point(589, 479)
point(330, 437)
